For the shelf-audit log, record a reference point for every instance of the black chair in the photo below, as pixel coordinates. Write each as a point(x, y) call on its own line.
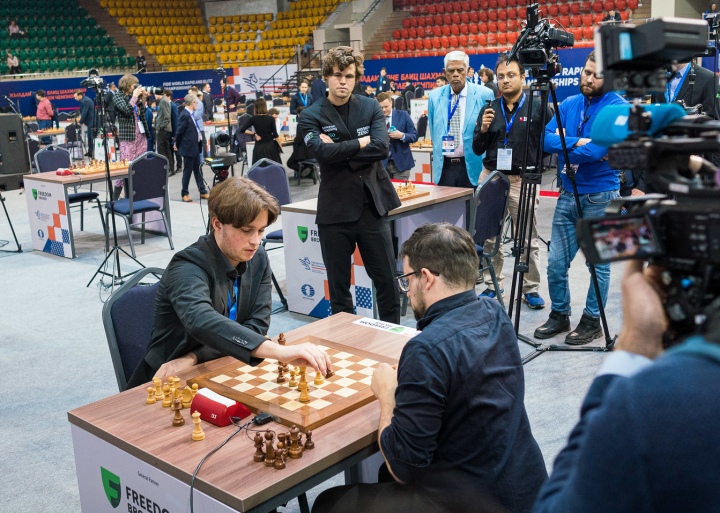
point(268, 97)
point(147, 182)
point(487, 220)
point(52, 158)
point(278, 102)
point(250, 109)
point(128, 317)
point(31, 126)
point(33, 147)
point(273, 177)
point(399, 103)
point(259, 94)
point(63, 116)
point(73, 140)
point(409, 95)
point(419, 91)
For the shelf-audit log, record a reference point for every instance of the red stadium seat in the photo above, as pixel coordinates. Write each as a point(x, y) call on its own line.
point(413, 22)
point(502, 26)
point(455, 30)
point(447, 19)
point(396, 34)
point(492, 15)
point(413, 33)
point(483, 15)
point(522, 13)
point(492, 39)
point(473, 28)
point(502, 4)
point(564, 21)
point(465, 18)
point(411, 45)
point(522, 3)
point(474, 18)
point(511, 3)
point(474, 5)
point(394, 46)
point(427, 44)
point(620, 5)
point(598, 18)
point(597, 6)
point(577, 33)
point(632, 4)
point(484, 4)
point(440, 8)
point(512, 14)
point(587, 20)
point(502, 15)
point(463, 40)
point(472, 41)
point(576, 21)
point(575, 8)
point(564, 9)
point(437, 31)
point(436, 43)
point(446, 30)
point(466, 6)
point(422, 22)
point(512, 37)
point(512, 25)
point(588, 32)
point(438, 19)
point(386, 46)
point(404, 34)
point(445, 42)
point(430, 21)
point(492, 27)
point(482, 39)
point(552, 10)
point(457, 7)
point(625, 15)
point(456, 19)
point(609, 5)
point(502, 38)
point(482, 28)
point(464, 29)
point(454, 43)
point(406, 23)
point(402, 46)
point(493, 4)
point(432, 10)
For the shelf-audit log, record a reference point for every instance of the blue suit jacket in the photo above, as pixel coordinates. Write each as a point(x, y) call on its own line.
point(438, 120)
point(400, 148)
point(186, 138)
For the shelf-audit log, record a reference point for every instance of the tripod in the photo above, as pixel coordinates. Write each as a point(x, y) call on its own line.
point(114, 253)
point(526, 212)
point(19, 248)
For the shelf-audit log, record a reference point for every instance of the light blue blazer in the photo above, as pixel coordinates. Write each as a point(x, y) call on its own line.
point(437, 123)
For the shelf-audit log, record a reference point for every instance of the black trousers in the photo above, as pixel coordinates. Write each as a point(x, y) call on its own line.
point(192, 167)
point(454, 173)
point(164, 148)
point(371, 233)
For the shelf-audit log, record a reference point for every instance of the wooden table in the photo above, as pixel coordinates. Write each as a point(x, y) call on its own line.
point(48, 208)
point(304, 267)
point(135, 441)
point(56, 133)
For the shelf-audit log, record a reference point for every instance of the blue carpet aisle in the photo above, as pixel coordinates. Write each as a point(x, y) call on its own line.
point(54, 355)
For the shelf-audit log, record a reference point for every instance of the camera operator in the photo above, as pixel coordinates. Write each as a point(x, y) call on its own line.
point(597, 185)
point(132, 124)
point(503, 142)
point(644, 442)
point(87, 120)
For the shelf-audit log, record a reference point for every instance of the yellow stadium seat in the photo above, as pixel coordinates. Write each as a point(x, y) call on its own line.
point(234, 47)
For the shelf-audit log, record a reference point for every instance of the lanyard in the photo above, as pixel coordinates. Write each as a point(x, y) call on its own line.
point(451, 113)
point(303, 99)
point(509, 124)
point(584, 119)
point(677, 88)
point(232, 301)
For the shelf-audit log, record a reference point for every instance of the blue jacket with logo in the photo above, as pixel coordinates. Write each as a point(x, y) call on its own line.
point(577, 114)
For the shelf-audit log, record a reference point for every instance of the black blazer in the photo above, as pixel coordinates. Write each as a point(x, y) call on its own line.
point(186, 138)
point(297, 102)
point(344, 166)
point(702, 92)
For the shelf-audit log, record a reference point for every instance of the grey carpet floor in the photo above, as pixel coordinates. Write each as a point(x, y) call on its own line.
point(54, 356)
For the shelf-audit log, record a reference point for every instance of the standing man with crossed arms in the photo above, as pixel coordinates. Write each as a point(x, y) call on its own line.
point(348, 136)
point(502, 139)
point(452, 111)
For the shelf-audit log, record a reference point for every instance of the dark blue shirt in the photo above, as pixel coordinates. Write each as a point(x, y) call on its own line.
point(459, 430)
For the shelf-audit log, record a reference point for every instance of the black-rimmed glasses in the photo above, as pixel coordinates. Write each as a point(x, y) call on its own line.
point(404, 283)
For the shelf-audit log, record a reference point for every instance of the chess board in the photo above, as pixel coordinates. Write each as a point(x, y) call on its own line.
point(407, 193)
point(257, 388)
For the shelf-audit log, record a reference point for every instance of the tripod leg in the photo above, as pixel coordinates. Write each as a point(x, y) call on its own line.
point(19, 248)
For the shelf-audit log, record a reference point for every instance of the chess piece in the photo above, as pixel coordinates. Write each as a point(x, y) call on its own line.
point(269, 449)
point(281, 441)
point(171, 384)
point(281, 339)
point(319, 380)
point(295, 451)
point(329, 374)
point(303, 387)
point(309, 444)
point(194, 389)
point(186, 397)
point(197, 433)
point(176, 392)
point(151, 396)
point(178, 419)
point(158, 388)
point(279, 462)
point(281, 373)
point(293, 378)
point(259, 453)
point(167, 401)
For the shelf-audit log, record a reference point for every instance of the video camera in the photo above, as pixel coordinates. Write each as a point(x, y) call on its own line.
point(93, 80)
point(535, 44)
point(151, 89)
point(678, 230)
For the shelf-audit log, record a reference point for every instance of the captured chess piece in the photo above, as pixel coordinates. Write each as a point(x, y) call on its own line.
point(186, 397)
point(269, 449)
point(296, 450)
point(158, 388)
point(309, 444)
point(194, 389)
point(259, 453)
point(197, 433)
point(151, 396)
point(178, 419)
point(279, 462)
point(167, 401)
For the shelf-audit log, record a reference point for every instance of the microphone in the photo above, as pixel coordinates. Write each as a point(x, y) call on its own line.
point(611, 124)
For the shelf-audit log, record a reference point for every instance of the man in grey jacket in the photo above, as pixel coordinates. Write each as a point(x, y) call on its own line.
point(214, 298)
point(163, 130)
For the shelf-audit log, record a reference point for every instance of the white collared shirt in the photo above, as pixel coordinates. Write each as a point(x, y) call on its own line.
point(459, 148)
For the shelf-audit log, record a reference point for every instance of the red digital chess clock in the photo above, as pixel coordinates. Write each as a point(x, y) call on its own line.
point(217, 409)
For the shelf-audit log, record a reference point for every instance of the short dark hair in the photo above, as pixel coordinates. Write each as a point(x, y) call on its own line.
point(167, 92)
point(487, 72)
point(40, 93)
point(343, 57)
point(441, 77)
point(273, 111)
point(504, 58)
point(590, 57)
point(445, 249)
point(384, 96)
point(80, 92)
point(299, 110)
point(238, 201)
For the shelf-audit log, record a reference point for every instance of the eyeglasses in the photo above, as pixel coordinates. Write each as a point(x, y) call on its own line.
point(404, 283)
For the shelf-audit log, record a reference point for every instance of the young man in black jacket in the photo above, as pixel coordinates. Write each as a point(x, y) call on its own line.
point(500, 134)
point(215, 296)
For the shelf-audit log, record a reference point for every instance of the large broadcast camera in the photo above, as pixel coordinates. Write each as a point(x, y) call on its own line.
point(93, 80)
point(679, 229)
point(535, 44)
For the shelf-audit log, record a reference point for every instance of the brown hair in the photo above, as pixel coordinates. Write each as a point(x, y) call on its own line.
point(342, 57)
point(238, 201)
point(273, 111)
point(40, 93)
point(384, 96)
point(260, 107)
point(80, 92)
point(445, 249)
point(126, 83)
point(590, 57)
point(487, 72)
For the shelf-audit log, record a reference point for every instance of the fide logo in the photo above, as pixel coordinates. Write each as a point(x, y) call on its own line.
point(302, 233)
point(307, 290)
point(111, 484)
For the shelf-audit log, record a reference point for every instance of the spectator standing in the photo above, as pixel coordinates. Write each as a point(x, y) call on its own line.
point(140, 62)
point(500, 134)
point(402, 132)
point(440, 81)
point(87, 121)
point(109, 105)
point(232, 97)
point(597, 185)
point(132, 123)
point(383, 83)
point(163, 130)
point(188, 142)
point(174, 115)
point(44, 115)
point(473, 77)
point(300, 151)
point(207, 102)
point(318, 89)
point(266, 144)
point(149, 114)
point(199, 115)
point(301, 99)
point(452, 112)
point(487, 78)
point(711, 16)
point(13, 64)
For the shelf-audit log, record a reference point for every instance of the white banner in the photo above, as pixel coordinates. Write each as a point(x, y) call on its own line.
point(247, 80)
point(49, 220)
